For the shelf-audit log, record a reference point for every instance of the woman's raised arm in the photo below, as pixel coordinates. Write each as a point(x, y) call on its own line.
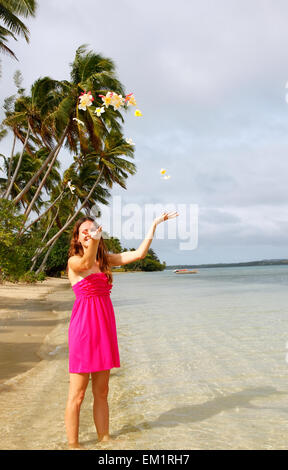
point(118, 259)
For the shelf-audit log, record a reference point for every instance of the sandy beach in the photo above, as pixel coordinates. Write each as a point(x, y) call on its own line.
point(34, 380)
point(203, 362)
point(26, 317)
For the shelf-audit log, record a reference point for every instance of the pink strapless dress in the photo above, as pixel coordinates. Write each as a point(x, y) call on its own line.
point(92, 335)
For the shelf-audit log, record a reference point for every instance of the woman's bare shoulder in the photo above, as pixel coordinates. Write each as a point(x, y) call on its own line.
point(76, 264)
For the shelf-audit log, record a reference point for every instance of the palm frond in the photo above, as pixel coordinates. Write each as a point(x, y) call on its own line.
point(13, 23)
point(21, 7)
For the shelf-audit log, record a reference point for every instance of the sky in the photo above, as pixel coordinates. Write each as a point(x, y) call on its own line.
point(210, 80)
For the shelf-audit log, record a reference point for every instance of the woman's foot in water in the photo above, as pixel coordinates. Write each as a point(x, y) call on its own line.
point(103, 438)
point(76, 446)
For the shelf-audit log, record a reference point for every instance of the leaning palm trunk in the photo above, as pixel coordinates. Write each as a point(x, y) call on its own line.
point(43, 264)
point(44, 213)
point(29, 208)
point(69, 221)
point(6, 195)
point(38, 173)
point(10, 162)
point(37, 252)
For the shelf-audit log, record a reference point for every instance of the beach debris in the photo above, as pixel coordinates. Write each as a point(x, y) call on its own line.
point(86, 99)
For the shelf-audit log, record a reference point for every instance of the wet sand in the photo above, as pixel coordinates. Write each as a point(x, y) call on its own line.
point(203, 363)
point(26, 317)
point(34, 378)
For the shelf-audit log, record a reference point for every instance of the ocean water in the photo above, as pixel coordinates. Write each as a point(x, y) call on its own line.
point(203, 359)
point(204, 365)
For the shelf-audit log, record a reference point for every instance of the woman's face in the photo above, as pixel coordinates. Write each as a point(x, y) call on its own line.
point(83, 235)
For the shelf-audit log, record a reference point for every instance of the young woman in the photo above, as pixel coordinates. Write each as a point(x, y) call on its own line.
point(92, 336)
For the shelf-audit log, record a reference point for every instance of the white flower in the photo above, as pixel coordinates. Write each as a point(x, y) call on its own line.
point(107, 99)
point(130, 141)
point(79, 121)
point(117, 101)
point(99, 111)
point(85, 100)
point(130, 100)
point(72, 188)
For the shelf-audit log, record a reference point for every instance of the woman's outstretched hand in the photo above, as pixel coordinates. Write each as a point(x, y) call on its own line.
point(165, 216)
point(96, 233)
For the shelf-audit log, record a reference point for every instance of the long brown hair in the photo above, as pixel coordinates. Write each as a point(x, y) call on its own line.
point(77, 249)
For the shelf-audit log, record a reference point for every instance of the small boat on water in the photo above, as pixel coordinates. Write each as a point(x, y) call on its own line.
point(185, 271)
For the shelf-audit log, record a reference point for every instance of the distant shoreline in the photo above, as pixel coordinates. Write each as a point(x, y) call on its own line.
point(271, 262)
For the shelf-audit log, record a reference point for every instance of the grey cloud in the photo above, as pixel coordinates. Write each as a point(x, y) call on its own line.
point(209, 78)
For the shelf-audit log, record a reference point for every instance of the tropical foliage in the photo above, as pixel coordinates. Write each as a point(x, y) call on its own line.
point(151, 262)
point(11, 25)
point(42, 123)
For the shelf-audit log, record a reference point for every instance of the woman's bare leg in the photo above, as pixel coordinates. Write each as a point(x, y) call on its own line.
point(77, 388)
point(100, 388)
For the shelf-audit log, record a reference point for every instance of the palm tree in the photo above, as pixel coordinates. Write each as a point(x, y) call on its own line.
point(91, 72)
point(25, 121)
point(29, 165)
point(11, 25)
point(110, 169)
point(98, 142)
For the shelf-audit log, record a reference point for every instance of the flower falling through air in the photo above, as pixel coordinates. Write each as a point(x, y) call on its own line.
point(71, 187)
point(99, 111)
point(165, 177)
point(110, 99)
point(130, 141)
point(86, 99)
point(79, 121)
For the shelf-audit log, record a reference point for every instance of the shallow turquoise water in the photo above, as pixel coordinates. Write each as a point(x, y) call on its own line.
point(203, 359)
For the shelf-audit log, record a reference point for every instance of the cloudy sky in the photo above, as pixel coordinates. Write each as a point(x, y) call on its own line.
point(210, 79)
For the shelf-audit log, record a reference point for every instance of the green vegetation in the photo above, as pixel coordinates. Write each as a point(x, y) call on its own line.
point(11, 25)
point(38, 207)
point(265, 262)
point(150, 263)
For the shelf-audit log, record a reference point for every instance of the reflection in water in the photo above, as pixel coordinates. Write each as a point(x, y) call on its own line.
point(202, 367)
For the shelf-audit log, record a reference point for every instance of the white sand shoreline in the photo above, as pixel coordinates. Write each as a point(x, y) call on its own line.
point(33, 401)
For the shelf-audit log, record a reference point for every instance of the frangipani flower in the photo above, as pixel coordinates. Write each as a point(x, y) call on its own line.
point(99, 111)
point(138, 112)
point(72, 188)
point(107, 99)
point(165, 177)
point(79, 121)
point(117, 101)
point(85, 100)
point(130, 141)
point(130, 100)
